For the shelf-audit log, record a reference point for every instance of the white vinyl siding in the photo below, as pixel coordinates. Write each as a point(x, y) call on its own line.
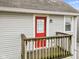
point(11, 27)
point(57, 24)
point(13, 24)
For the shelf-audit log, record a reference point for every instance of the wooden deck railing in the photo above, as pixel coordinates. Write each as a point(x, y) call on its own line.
point(61, 33)
point(45, 47)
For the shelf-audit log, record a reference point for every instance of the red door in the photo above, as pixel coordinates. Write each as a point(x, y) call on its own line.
point(40, 31)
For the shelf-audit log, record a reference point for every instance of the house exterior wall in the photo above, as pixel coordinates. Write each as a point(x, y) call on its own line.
point(11, 27)
point(57, 24)
point(13, 24)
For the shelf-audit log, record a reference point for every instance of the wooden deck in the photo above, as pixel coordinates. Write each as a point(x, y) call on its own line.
point(49, 53)
point(58, 47)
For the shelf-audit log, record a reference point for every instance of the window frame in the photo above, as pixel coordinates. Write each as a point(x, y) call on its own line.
point(65, 19)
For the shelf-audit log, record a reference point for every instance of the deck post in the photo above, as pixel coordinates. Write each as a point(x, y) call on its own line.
point(25, 55)
point(70, 42)
point(23, 47)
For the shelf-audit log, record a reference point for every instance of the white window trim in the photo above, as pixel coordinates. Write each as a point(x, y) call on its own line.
point(71, 24)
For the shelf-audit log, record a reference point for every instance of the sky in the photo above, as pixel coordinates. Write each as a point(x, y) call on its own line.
point(74, 3)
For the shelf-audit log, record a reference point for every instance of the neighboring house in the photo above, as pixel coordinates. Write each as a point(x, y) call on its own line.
point(78, 29)
point(30, 17)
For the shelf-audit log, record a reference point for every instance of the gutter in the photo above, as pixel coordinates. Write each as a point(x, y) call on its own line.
point(21, 10)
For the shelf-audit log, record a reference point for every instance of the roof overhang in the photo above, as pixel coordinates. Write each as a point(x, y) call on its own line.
point(20, 10)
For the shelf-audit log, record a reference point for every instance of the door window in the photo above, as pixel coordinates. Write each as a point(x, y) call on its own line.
point(40, 26)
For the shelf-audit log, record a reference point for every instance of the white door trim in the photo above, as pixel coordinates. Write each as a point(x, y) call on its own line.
point(64, 23)
point(47, 23)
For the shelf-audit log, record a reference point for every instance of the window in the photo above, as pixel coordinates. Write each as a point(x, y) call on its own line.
point(68, 26)
point(68, 23)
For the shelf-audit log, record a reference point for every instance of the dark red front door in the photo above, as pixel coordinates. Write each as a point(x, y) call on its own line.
point(40, 31)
